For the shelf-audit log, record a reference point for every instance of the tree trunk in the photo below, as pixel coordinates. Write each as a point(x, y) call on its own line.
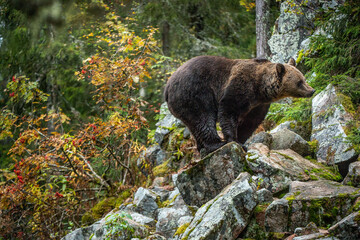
point(165, 38)
point(262, 28)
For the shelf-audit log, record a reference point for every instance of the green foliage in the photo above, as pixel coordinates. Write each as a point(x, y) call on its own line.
point(336, 58)
point(299, 110)
point(116, 225)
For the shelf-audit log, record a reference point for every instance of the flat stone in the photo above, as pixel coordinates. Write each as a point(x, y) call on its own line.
point(276, 169)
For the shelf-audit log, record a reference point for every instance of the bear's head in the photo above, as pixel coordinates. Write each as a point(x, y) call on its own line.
point(292, 81)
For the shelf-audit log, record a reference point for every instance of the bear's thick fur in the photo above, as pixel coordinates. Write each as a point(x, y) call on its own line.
point(237, 93)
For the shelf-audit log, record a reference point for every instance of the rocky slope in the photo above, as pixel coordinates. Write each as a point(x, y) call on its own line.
point(294, 182)
point(269, 192)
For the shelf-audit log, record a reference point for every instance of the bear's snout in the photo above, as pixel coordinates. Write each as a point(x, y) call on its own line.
point(311, 93)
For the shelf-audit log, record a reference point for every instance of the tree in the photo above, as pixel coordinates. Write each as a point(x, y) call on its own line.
point(262, 28)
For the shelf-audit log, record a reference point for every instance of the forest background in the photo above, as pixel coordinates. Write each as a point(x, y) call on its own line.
point(81, 87)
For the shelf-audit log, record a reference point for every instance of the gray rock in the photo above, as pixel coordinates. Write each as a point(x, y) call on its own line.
point(276, 216)
point(186, 133)
point(276, 169)
point(210, 175)
point(286, 139)
point(264, 195)
point(102, 229)
point(353, 177)
point(328, 121)
point(292, 31)
point(141, 219)
point(312, 236)
point(348, 228)
point(304, 130)
point(162, 193)
point(169, 219)
point(146, 202)
point(323, 202)
point(165, 125)
point(225, 216)
point(262, 137)
point(155, 155)
point(155, 237)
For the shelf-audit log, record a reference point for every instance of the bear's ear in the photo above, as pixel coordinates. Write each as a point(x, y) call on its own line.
point(292, 62)
point(280, 70)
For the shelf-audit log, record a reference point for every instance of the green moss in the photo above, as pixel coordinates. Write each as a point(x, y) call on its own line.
point(193, 210)
point(167, 202)
point(346, 102)
point(314, 178)
point(284, 155)
point(300, 57)
point(314, 146)
point(101, 208)
point(162, 170)
point(291, 198)
point(181, 229)
point(122, 197)
point(261, 208)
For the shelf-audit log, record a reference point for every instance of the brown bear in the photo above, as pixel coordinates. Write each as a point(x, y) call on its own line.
point(235, 92)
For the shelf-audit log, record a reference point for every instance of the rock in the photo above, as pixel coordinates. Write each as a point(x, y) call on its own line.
point(313, 236)
point(146, 202)
point(291, 30)
point(210, 175)
point(353, 177)
point(348, 228)
point(304, 130)
point(225, 216)
point(155, 155)
point(106, 229)
point(276, 169)
point(169, 219)
point(155, 237)
point(162, 193)
point(141, 219)
point(264, 195)
point(328, 121)
point(262, 137)
point(165, 125)
point(286, 139)
point(311, 228)
point(276, 216)
point(323, 202)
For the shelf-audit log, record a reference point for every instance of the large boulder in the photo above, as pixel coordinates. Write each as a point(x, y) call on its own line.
point(292, 31)
point(210, 175)
point(329, 119)
point(303, 129)
point(323, 202)
point(276, 169)
point(225, 216)
point(286, 139)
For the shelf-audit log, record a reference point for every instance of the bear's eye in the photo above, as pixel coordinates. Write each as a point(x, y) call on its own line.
point(299, 83)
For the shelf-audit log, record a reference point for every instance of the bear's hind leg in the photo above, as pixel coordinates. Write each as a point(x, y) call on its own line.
point(205, 134)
